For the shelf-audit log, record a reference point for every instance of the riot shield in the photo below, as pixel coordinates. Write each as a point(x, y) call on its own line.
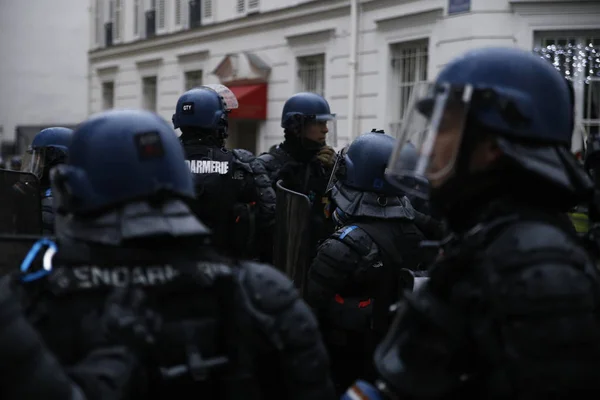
point(292, 249)
point(20, 196)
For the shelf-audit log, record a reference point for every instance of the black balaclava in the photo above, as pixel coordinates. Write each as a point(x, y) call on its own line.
point(207, 137)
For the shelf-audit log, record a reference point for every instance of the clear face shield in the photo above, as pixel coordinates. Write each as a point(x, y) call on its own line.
point(339, 169)
point(35, 160)
point(434, 124)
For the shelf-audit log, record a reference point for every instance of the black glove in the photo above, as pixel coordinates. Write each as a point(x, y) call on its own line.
point(292, 174)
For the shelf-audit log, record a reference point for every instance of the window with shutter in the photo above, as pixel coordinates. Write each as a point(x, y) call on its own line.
point(160, 21)
point(178, 12)
point(118, 20)
point(208, 9)
point(241, 6)
point(253, 5)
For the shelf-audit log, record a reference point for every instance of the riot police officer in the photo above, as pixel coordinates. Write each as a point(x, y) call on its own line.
point(229, 330)
point(303, 163)
point(234, 194)
point(354, 278)
point(511, 309)
point(50, 147)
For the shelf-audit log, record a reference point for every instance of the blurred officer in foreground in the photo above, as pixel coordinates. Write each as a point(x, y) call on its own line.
point(234, 196)
point(49, 148)
point(354, 278)
point(29, 371)
point(229, 330)
point(511, 309)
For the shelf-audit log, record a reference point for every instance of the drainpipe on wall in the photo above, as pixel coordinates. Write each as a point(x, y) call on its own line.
point(353, 64)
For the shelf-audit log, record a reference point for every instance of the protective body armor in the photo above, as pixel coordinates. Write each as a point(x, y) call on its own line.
point(510, 312)
point(234, 196)
point(228, 331)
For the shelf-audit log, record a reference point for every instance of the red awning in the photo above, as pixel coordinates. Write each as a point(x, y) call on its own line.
point(252, 101)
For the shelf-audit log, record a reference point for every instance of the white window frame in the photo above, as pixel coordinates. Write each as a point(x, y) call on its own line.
point(582, 124)
point(99, 6)
point(401, 78)
point(303, 67)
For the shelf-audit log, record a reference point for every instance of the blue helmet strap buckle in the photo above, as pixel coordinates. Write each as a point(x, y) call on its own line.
point(49, 248)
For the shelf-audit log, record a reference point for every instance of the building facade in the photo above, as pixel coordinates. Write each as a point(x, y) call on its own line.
point(145, 53)
point(43, 67)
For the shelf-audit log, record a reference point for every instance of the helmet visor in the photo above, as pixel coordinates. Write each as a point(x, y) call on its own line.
point(34, 161)
point(434, 124)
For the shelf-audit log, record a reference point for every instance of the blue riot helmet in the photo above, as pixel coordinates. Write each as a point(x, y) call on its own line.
point(512, 96)
point(49, 147)
point(16, 163)
point(307, 116)
point(361, 165)
point(126, 177)
point(203, 110)
point(357, 185)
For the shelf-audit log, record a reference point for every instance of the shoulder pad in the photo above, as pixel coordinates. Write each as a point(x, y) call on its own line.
point(275, 159)
point(243, 155)
point(527, 236)
point(269, 290)
point(357, 239)
point(258, 167)
point(266, 158)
